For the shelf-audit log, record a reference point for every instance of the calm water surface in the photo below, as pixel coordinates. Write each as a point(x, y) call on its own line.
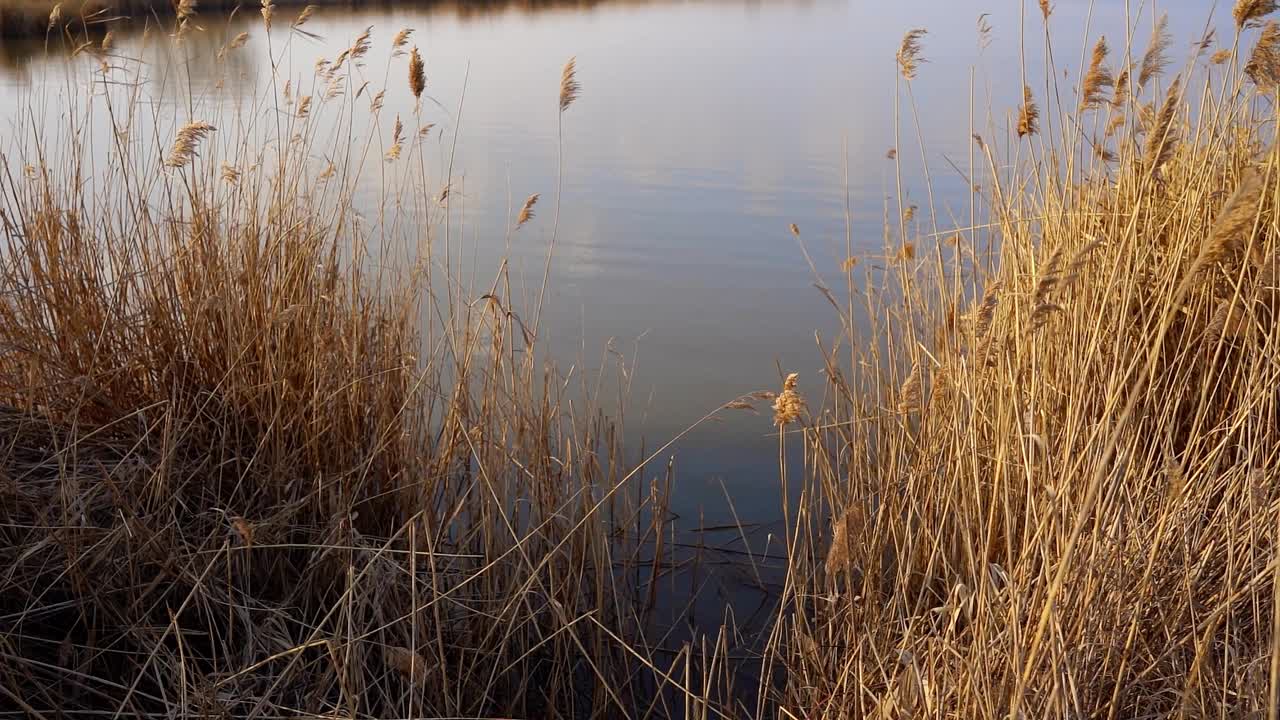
point(704, 129)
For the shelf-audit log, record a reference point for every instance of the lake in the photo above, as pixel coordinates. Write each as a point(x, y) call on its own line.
point(704, 129)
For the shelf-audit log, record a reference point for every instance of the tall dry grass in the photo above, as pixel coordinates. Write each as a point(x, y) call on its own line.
point(248, 471)
point(1051, 485)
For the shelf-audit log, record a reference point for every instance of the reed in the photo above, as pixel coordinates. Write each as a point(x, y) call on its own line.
point(247, 472)
point(1062, 506)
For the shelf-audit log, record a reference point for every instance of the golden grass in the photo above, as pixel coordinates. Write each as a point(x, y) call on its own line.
point(1063, 505)
point(244, 470)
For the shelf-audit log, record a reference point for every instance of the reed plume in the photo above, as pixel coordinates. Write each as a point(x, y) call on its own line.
point(569, 87)
point(1247, 11)
point(184, 146)
point(1156, 59)
point(400, 40)
point(417, 74)
point(847, 528)
point(1046, 9)
point(268, 12)
point(909, 59)
point(304, 106)
point(1121, 94)
point(789, 404)
point(526, 211)
point(304, 16)
point(1263, 67)
point(397, 141)
point(1163, 138)
point(1220, 57)
point(1028, 114)
point(362, 44)
point(238, 41)
point(910, 393)
point(54, 16)
point(1098, 78)
point(1234, 222)
point(108, 41)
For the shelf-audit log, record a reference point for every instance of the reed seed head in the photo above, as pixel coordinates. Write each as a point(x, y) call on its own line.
point(304, 16)
point(184, 146)
point(526, 211)
point(789, 404)
point(569, 87)
point(1263, 67)
point(1235, 221)
point(1250, 11)
point(1163, 137)
point(268, 12)
point(399, 41)
point(1028, 114)
point(1156, 59)
point(397, 141)
point(417, 73)
point(909, 59)
point(1098, 78)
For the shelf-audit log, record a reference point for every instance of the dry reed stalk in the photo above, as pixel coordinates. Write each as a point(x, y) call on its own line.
point(417, 74)
point(909, 59)
point(1028, 114)
point(185, 144)
point(1249, 11)
point(569, 87)
point(526, 211)
point(1097, 79)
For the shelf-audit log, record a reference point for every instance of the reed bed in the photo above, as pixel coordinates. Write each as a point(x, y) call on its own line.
point(1044, 484)
point(246, 470)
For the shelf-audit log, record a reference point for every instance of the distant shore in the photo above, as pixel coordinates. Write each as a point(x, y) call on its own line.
point(36, 18)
